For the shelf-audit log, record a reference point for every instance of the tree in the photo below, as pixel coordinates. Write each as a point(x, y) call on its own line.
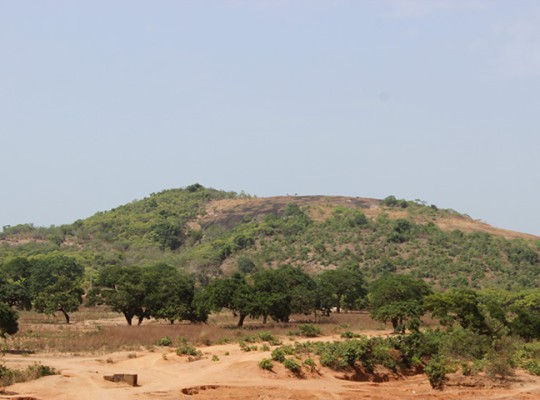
point(246, 265)
point(526, 310)
point(235, 294)
point(121, 288)
point(457, 305)
point(55, 284)
point(169, 294)
point(271, 296)
point(169, 233)
point(15, 283)
point(8, 320)
point(283, 291)
point(340, 286)
point(14, 294)
point(398, 299)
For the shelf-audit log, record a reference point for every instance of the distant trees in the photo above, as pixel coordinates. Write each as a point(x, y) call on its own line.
point(233, 293)
point(56, 284)
point(8, 320)
point(283, 291)
point(158, 291)
point(169, 233)
point(275, 293)
point(458, 305)
point(398, 299)
point(49, 283)
point(340, 287)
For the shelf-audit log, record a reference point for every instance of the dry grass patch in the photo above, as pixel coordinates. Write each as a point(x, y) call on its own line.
point(97, 330)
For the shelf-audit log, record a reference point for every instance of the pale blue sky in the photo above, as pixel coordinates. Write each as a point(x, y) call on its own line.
point(104, 102)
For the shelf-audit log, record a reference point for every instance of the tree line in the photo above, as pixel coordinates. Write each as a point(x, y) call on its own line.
point(53, 283)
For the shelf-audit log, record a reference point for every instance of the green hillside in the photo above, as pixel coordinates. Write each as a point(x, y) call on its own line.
point(210, 233)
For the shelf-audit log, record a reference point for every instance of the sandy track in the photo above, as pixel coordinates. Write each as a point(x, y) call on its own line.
point(164, 375)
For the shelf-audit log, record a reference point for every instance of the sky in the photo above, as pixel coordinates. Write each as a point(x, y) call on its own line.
point(105, 102)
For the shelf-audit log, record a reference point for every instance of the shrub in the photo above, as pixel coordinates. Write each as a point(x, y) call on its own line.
point(166, 341)
point(292, 365)
point(309, 362)
point(249, 339)
point(466, 369)
point(349, 335)
point(500, 359)
point(309, 330)
point(215, 358)
point(436, 373)
point(188, 350)
point(35, 371)
point(278, 354)
point(275, 342)
point(266, 364)
point(533, 366)
point(38, 370)
point(464, 344)
point(244, 346)
point(223, 340)
point(267, 337)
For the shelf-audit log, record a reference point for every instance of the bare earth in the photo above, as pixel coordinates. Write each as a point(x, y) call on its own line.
point(164, 375)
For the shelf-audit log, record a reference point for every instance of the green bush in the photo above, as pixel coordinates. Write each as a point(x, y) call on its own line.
point(340, 355)
point(188, 350)
point(292, 365)
point(278, 354)
point(249, 338)
point(10, 376)
point(309, 330)
point(349, 335)
point(39, 370)
point(533, 366)
point(244, 346)
point(166, 341)
point(436, 373)
point(275, 342)
point(309, 362)
point(267, 337)
point(464, 344)
point(266, 364)
point(498, 365)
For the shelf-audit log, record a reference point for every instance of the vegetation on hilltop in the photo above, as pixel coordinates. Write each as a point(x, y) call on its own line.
point(182, 228)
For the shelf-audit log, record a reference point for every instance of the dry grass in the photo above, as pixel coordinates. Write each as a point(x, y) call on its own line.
point(97, 330)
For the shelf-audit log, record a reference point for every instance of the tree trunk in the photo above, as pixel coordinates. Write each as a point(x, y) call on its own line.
point(241, 320)
point(129, 318)
point(394, 324)
point(265, 319)
point(66, 315)
point(140, 320)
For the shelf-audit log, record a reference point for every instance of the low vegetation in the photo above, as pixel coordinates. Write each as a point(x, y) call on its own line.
point(10, 376)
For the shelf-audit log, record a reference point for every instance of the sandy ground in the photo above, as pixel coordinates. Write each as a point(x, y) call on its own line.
point(164, 375)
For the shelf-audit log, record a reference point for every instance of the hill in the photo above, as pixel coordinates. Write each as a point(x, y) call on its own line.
point(212, 232)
